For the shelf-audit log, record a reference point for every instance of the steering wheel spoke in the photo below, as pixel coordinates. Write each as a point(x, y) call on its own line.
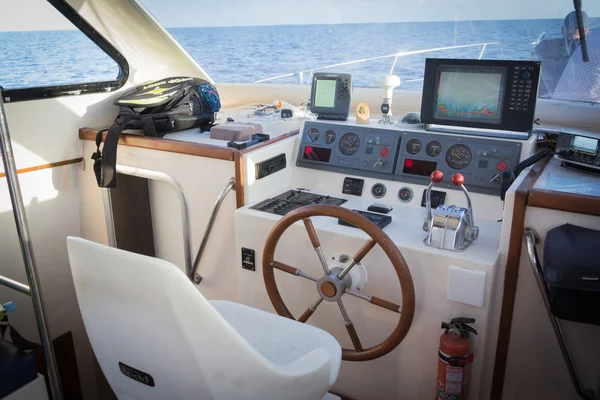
point(375, 300)
point(354, 336)
point(293, 271)
point(314, 239)
point(310, 310)
point(350, 327)
point(358, 257)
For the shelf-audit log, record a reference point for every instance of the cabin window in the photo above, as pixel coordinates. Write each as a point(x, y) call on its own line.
point(284, 42)
point(44, 52)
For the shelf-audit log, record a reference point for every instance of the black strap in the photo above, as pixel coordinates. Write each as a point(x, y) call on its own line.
point(15, 336)
point(105, 161)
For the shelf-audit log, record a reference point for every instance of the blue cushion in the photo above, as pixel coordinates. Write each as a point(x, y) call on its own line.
point(17, 368)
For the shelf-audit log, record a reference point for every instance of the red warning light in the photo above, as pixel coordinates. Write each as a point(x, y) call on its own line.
point(408, 163)
point(308, 150)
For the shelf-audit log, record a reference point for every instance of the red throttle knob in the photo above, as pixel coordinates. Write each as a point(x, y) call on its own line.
point(436, 176)
point(457, 179)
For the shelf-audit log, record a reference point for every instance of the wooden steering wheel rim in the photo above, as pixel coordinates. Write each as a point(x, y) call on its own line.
point(380, 238)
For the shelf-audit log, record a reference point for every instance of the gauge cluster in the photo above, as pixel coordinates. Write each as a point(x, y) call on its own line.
point(406, 155)
point(480, 160)
point(343, 147)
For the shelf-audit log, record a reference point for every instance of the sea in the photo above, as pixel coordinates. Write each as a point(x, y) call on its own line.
point(250, 54)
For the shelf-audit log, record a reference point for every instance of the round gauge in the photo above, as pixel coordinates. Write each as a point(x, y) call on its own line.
point(329, 136)
point(433, 149)
point(378, 190)
point(349, 144)
point(313, 134)
point(413, 146)
point(458, 156)
point(405, 194)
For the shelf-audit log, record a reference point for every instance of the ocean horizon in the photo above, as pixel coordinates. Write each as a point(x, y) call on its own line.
point(254, 53)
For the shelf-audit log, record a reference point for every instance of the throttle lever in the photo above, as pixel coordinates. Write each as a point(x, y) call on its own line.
point(459, 180)
point(435, 177)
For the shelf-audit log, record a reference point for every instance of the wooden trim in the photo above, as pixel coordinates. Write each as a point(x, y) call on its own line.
point(45, 166)
point(511, 276)
point(173, 146)
point(564, 201)
point(193, 149)
point(239, 180)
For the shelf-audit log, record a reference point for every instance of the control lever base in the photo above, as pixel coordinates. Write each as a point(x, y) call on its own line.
point(450, 227)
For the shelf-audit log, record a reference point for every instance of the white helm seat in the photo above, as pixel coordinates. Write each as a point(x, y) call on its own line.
point(156, 337)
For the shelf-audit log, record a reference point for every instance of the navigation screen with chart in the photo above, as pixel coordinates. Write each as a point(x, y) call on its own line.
point(470, 94)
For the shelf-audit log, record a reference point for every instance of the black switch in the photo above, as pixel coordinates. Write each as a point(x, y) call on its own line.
point(248, 259)
point(353, 186)
point(437, 198)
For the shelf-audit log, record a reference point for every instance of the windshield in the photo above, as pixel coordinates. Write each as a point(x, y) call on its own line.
point(284, 42)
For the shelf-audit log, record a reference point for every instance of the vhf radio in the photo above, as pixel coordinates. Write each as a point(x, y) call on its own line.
point(579, 148)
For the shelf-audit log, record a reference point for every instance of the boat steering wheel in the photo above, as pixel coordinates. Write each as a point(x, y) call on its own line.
point(337, 282)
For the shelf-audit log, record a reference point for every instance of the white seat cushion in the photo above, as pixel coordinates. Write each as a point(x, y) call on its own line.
point(280, 340)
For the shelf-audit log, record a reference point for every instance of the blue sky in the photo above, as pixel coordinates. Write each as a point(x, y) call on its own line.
point(39, 15)
point(271, 12)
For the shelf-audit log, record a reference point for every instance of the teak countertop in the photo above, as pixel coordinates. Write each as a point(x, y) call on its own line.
point(181, 147)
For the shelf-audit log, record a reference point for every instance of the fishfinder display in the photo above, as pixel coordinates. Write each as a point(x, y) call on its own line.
point(465, 94)
point(331, 95)
point(497, 95)
point(325, 93)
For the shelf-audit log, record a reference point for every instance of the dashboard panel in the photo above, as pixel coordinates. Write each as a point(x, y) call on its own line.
point(480, 160)
point(406, 154)
point(345, 147)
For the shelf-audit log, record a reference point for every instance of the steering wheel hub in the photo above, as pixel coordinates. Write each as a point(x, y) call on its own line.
point(330, 287)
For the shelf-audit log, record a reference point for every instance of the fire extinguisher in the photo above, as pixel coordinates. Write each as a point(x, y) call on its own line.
point(454, 356)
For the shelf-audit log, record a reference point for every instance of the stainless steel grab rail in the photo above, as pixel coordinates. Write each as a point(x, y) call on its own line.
point(16, 197)
point(183, 206)
point(194, 276)
point(531, 238)
point(12, 284)
point(191, 269)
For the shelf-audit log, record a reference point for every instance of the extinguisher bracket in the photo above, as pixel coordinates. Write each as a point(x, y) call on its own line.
point(456, 361)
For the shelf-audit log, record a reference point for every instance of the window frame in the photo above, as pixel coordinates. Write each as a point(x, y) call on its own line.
point(46, 92)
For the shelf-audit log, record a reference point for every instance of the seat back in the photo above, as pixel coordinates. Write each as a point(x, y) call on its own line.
point(154, 334)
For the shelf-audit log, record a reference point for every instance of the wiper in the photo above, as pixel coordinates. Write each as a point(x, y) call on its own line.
point(584, 50)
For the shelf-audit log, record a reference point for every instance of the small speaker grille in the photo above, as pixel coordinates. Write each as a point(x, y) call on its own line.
point(564, 140)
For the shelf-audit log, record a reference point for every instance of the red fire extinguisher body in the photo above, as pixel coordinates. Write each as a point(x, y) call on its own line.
point(453, 357)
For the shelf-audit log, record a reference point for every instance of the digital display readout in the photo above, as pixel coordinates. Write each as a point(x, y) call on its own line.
point(325, 93)
point(585, 145)
point(316, 154)
point(465, 94)
point(418, 167)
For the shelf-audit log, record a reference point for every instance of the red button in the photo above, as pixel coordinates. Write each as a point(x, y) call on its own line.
point(384, 152)
point(502, 166)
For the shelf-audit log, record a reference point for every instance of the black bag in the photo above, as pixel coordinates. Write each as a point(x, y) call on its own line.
point(572, 272)
point(156, 108)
